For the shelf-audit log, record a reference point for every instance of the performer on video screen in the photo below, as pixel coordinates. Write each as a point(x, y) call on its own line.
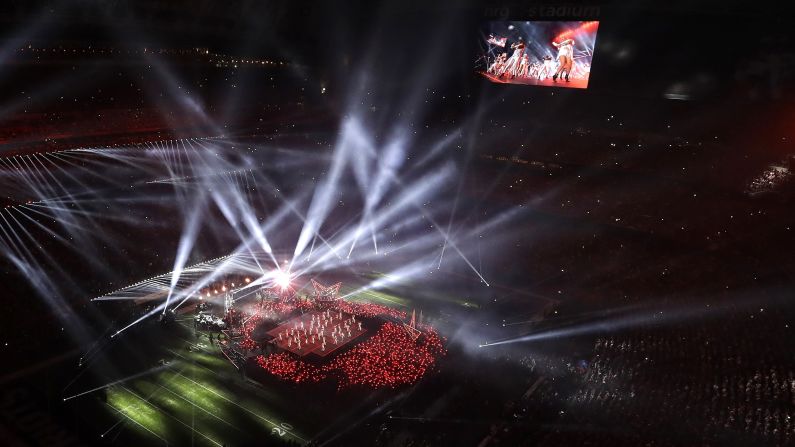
point(565, 58)
point(535, 70)
point(524, 66)
point(585, 70)
point(547, 68)
point(578, 71)
point(512, 66)
point(497, 64)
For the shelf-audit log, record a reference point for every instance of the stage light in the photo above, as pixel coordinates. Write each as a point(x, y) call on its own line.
point(282, 279)
point(248, 280)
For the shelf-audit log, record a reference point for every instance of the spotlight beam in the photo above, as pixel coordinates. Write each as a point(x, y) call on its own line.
point(116, 382)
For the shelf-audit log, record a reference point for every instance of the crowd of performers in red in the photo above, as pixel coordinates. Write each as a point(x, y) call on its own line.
point(518, 65)
point(396, 354)
point(390, 358)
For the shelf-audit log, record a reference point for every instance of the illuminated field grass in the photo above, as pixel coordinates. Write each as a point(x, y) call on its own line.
point(198, 399)
point(145, 418)
point(379, 297)
point(394, 299)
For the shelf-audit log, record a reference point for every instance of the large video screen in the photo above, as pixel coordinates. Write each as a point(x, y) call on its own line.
point(557, 54)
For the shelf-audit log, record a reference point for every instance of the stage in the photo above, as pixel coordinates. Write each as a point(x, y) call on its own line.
point(318, 332)
point(574, 83)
